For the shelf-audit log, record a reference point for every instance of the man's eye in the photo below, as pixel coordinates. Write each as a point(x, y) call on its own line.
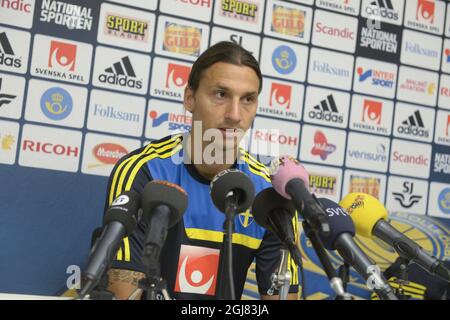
point(220, 94)
point(249, 99)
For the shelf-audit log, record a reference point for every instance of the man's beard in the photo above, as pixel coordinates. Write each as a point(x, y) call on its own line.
point(219, 149)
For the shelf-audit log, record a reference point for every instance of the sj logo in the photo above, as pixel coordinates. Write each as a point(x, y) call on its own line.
point(197, 270)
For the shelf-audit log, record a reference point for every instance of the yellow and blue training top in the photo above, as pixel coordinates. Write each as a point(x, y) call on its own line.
point(190, 257)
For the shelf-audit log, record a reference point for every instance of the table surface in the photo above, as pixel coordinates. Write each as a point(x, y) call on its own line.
point(9, 296)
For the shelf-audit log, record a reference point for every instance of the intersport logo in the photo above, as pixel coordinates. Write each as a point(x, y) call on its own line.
point(377, 77)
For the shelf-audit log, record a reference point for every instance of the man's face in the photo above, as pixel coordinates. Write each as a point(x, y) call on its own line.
point(225, 101)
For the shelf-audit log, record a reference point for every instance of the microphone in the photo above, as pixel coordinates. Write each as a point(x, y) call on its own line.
point(119, 221)
point(342, 231)
point(95, 236)
point(275, 213)
point(163, 204)
point(291, 180)
point(232, 192)
point(100, 292)
point(370, 216)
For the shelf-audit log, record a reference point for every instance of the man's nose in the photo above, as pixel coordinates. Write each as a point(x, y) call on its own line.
point(233, 112)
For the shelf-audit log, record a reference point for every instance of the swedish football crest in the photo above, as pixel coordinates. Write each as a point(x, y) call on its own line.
point(246, 218)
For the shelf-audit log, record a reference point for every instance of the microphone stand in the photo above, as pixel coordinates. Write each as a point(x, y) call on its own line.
point(226, 289)
point(152, 283)
point(344, 274)
point(400, 267)
point(281, 279)
point(151, 286)
point(335, 282)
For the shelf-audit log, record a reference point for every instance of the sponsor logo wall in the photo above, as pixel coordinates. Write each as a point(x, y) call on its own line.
point(358, 91)
point(342, 79)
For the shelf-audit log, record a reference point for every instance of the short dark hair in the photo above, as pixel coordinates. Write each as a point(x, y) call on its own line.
point(224, 51)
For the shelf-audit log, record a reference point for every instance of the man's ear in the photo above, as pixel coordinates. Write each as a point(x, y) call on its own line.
point(188, 100)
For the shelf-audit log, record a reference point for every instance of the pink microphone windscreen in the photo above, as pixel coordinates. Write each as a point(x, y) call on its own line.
point(285, 169)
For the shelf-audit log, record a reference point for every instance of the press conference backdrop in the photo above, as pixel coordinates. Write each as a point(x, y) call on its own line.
point(359, 91)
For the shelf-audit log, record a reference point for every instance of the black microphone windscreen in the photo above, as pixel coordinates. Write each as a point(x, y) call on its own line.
point(159, 192)
point(232, 180)
point(339, 220)
point(267, 201)
point(124, 209)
